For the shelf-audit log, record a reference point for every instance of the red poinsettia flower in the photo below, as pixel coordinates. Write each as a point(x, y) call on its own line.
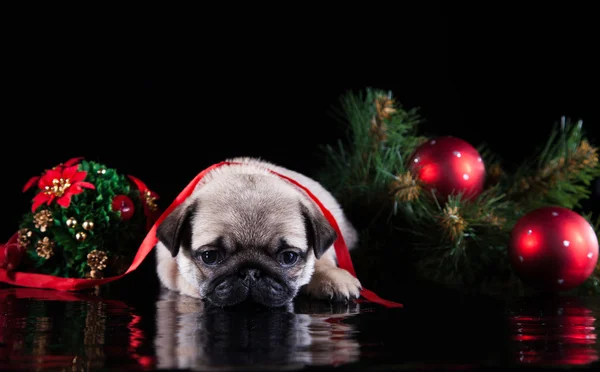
point(60, 183)
point(149, 198)
point(35, 179)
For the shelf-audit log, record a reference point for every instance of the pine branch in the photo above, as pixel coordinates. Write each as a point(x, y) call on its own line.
point(460, 243)
point(495, 173)
point(559, 174)
point(375, 138)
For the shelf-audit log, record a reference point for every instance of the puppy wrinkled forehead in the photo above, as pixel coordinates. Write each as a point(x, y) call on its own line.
point(251, 210)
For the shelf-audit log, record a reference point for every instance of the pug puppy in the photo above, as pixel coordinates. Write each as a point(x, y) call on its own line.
point(248, 235)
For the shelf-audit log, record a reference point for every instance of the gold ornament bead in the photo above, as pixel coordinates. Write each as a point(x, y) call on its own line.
point(80, 236)
point(96, 260)
point(88, 225)
point(71, 222)
point(101, 171)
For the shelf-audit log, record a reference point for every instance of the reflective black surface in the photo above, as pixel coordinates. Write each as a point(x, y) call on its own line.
point(94, 331)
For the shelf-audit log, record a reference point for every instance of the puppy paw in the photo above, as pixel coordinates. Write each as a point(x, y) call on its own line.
point(333, 284)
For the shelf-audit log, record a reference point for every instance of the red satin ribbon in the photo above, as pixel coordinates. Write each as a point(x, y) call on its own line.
point(34, 280)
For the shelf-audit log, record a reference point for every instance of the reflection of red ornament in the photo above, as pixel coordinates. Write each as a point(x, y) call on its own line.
point(553, 248)
point(450, 166)
point(123, 204)
point(555, 331)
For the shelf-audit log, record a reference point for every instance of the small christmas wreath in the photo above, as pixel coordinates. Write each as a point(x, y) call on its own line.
point(86, 221)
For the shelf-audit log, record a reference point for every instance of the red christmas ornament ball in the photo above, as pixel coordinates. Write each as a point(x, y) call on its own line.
point(553, 249)
point(449, 165)
point(123, 204)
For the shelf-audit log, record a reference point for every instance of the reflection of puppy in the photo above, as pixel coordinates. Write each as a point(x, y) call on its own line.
point(192, 334)
point(247, 234)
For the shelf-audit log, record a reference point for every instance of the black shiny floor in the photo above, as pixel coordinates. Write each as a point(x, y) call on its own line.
point(132, 330)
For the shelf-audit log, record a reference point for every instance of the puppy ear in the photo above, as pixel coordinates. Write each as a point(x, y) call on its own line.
point(175, 230)
point(319, 232)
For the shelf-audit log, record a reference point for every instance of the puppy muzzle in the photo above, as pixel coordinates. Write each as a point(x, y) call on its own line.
point(249, 277)
point(250, 285)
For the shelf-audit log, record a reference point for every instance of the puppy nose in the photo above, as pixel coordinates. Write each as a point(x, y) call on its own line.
point(249, 276)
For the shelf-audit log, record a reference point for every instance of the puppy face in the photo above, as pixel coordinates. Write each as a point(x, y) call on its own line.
point(247, 237)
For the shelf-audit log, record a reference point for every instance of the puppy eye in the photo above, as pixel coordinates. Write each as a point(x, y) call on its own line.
point(289, 258)
point(209, 257)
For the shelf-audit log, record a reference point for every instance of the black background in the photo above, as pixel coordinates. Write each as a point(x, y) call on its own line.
point(162, 97)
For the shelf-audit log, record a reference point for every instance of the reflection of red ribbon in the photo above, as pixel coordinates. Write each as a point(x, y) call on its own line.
point(45, 295)
point(136, 339)
point(71, 284)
